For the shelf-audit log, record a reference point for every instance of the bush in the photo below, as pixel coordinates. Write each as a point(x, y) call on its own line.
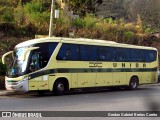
point(90, 21)
point(3, 68)
point(2, 73)
point(2, 82)
point(78, 23)
point(7, 15)
point(98, 28)
point(36, 14)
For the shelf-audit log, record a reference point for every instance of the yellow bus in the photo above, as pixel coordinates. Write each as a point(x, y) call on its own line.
point(61, 64)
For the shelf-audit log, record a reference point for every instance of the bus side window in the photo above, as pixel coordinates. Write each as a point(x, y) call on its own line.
point(106, 53)
point(150, 55)
point(137, 55)
point(102, 54)
point(68, 52)
point(85, 52)
point(89, 53)
point(153, 56)
point(119, 54)
point(67, 55)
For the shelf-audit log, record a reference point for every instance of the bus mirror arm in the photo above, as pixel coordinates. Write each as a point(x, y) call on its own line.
point(3, 57)
point(26, 51)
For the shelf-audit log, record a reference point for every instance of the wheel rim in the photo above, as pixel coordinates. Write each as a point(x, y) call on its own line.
point(60, 87)
point(133, 84)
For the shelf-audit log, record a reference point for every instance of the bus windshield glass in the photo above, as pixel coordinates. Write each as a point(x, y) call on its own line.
point(18, 66)
point(35, 59)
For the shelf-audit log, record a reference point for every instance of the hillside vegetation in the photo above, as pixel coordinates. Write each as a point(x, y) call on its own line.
point(124, 21)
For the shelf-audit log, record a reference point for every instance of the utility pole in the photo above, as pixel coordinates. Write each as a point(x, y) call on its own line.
point(51, 19)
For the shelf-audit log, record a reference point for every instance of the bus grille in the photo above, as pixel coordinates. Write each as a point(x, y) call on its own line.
point(12, 82)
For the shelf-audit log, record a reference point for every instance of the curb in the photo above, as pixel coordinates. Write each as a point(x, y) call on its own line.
point(8, 93)
point(154, 84)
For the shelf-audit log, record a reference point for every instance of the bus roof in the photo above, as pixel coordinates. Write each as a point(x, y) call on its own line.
point(80, 41)
point(39, 40)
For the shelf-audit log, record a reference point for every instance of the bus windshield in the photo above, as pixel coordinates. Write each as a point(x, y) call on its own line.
point(18, 66)
point(35, 59)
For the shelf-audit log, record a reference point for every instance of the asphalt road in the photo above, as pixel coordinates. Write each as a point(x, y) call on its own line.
point(146, 98)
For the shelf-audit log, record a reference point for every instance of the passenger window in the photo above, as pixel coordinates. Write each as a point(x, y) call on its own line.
point(85, 52)
point(137, 55)
point(88, 53)
point(122, 54)
point(103, 53)
point(106, 53)
point(153, 56)
point(68, 52)
point(150, 55)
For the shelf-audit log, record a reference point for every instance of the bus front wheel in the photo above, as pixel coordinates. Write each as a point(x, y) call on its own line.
point(133, 84)
point(59, 88)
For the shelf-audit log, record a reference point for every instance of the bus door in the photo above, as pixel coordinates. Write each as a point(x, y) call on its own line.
point(38, 80)
point(38, 65)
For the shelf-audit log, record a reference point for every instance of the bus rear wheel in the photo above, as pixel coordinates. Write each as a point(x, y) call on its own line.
point(59, 88)
point(133, 84)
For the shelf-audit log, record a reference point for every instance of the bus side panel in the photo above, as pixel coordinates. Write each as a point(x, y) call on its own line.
point(104, 74)
point(52, 80)
point(146, 77)
point(39, 83)
point(119, 74)
point(74, 78)
point(119, 78)
point(154, 74)
point(154, 77)
point(104, 79)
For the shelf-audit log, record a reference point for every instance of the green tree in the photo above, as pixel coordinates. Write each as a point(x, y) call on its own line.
point(37, 13)
point(2, 68)
point(147, 9)
point(82, 7)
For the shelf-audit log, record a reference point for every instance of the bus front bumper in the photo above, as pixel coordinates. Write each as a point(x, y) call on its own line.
point(19, 86)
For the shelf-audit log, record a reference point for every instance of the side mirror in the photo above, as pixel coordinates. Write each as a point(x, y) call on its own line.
point(6, 54)
point(26, 51)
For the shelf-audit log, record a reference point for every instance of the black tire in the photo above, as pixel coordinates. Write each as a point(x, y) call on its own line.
point(59, 88)
point(133, 84)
